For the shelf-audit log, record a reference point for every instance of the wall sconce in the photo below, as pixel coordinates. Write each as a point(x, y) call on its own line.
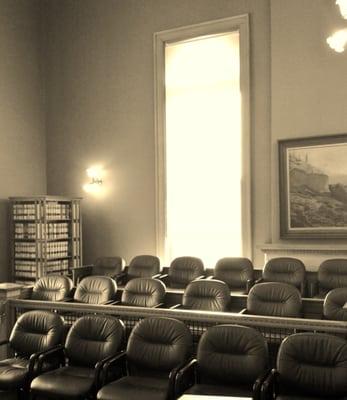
point(343, 7)
point(95, 174)
point(338, 40)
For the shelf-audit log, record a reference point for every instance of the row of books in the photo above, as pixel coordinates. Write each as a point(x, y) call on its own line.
point(50, 250)
point(52, 211)
point(33, 231)
point(28, 269)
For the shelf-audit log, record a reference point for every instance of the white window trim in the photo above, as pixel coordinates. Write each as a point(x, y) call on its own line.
point(240, 23)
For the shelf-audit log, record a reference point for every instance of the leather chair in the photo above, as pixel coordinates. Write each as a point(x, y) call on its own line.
point(287, 270)
point(156, 348)
point(232, 360)
point(236, 272)
point(95, 290)
point(107, 266)
point(144, 266)
point(52, 288)
point(90, 342)
point(34, 333)
point(207, 295)
point(310, 366)
point(275, 299)
point(335, 305)
point(182, 271)
point(332, 274)
point(143, 292)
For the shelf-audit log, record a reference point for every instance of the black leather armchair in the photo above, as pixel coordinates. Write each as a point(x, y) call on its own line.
point(310, 366)
point(275, 299)
point(52, 288)
point(95, 290)
point(143, 292)
point(144, 266)
point(335, 305)
point(34, 333)
point(332, 274)
point(287, 270)
point(206, 294)
point(107, 266)
point(182, 271)
point(232, 360)
point(236, 272)
point(91, 341)
point(156, 348)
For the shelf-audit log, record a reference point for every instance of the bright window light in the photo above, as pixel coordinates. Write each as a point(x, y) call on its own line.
point(203, 148)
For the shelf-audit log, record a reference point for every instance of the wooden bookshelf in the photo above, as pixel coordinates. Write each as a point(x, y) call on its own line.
point(45, 236)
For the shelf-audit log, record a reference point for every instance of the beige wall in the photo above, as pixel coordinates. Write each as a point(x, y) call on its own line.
point(22, 124)
point(100, 110)
point(308, 79)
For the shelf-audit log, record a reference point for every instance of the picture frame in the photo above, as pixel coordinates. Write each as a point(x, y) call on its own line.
point(313, 187)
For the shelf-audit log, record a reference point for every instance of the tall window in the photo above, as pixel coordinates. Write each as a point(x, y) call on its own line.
point(203, 145)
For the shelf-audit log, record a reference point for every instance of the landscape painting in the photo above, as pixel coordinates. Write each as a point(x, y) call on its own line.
point(313, 187)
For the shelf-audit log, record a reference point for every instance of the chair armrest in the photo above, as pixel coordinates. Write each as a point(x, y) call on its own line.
point(164, 278)
point(156, 276)
point(200, 277)
point(185, 377)
point(41, 357)
point(269, 387)
point(258, 384)
point(119, 278)
point(104, 303)
point(99, 368)
point(243, 311)
point(2, 342)
point(249, 284)
point(176, 306)
point(81, 272)
point(173, 378)
point(303, 288)
point(160, 305)
point(119, 360)
point(259, 280)
point(312, 288)
point(210, 277)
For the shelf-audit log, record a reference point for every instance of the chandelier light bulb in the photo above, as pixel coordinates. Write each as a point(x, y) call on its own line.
point(343, 7)
point(338, 40)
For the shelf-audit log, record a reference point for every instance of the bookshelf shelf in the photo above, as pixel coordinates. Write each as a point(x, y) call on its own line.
point(45, 236)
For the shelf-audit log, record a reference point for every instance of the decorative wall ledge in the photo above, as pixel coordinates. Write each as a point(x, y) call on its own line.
point(310, 254)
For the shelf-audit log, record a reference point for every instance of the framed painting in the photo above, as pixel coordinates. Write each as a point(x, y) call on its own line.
point(313, 187)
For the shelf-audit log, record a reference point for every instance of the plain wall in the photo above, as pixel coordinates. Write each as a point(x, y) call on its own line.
point(308, 80)
point(100, 110)
point(22, 117)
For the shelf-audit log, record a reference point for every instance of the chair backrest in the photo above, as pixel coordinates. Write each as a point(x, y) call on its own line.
point(313, 364)
point(144, 266)
point(234, 271)
point(275, 299)
point(231, 355)
point(285, 269)
point(143, 292)
point(92, 338)
point(157, 345)
point(52, 288)
point(184, 270)
point(95, 290)
point(206, 294)
point(108, 266)
point(332, 273)
point(335, 305)
point(36, 331)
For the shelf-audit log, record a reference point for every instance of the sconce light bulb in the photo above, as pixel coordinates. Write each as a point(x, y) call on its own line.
point(343, 7)
point(338, 40)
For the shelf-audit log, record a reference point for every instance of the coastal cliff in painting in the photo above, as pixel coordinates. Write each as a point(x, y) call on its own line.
point(317, 189)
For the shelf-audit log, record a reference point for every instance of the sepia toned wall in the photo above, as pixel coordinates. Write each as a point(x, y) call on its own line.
point(100, 106)
point(22, 116)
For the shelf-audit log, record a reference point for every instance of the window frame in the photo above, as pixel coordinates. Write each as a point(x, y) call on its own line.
point(238, 23)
